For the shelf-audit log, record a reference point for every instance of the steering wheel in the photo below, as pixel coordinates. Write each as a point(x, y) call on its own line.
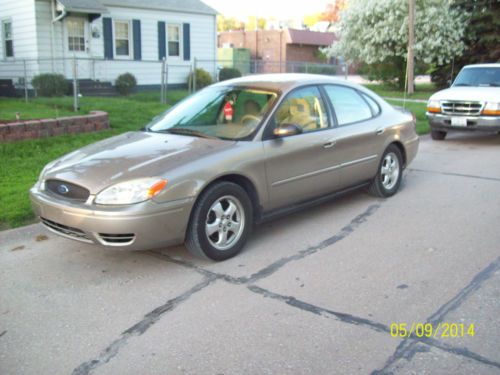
point(248, 118)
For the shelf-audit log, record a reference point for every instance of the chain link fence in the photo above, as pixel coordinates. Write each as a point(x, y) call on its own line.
point(95, 76)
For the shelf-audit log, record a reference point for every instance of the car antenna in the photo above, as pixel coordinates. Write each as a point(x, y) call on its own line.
point(406, 88)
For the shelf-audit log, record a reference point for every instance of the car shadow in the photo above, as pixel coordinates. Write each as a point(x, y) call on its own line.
point(480, 139)
point(266, 234)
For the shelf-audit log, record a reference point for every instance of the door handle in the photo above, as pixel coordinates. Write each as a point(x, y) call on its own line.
point(329, 144)
point(379, 131)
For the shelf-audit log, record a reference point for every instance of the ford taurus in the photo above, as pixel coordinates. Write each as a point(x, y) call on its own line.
point(231, 155)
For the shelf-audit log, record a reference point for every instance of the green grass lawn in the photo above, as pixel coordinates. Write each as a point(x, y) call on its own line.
point(21, 162)
point(422, 91)
point(32, 110)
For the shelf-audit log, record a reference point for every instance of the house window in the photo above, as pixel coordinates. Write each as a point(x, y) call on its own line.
point(76, 34)
point(174, 42)
point(7, 37)
point(122, 38)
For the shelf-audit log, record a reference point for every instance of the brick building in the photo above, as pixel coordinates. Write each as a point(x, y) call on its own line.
point(276, 48)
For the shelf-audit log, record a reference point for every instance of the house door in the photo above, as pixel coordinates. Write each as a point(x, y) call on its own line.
point(77, 45)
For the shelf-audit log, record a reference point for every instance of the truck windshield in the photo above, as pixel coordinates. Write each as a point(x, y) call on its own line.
point(484, 76)
point(216, 112)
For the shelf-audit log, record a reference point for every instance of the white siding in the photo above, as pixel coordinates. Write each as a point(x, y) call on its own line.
point(22, 15)
point(147, 72)
point(50, 47)
point(35, 38)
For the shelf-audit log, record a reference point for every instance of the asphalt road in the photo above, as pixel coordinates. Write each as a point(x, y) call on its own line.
point(313, 293)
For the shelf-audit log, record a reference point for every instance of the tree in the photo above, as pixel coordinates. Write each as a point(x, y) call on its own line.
point(229, 23)
point(254, 23)
point(376, 32)
point(331, 14)
point(482, 38)
point(332, 11)
point(311, 19)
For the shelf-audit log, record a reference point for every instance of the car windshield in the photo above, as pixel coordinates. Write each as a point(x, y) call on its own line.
point(486, 76)
point(218, 112)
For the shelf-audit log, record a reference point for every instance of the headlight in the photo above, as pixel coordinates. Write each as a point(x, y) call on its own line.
point(433, 106)
point(133, 191)
point(492, 109)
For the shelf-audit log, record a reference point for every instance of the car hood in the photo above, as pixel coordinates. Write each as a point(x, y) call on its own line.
point(128, 156)
point(484, 94)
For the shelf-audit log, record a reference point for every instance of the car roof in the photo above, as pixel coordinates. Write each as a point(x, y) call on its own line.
point(491, 65)
point(283, 81)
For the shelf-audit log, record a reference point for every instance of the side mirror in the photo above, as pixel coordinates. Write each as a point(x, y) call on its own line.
point(286, 130)
point(449, 82)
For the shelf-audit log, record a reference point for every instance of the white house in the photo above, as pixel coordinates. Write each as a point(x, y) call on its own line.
point(107, 38)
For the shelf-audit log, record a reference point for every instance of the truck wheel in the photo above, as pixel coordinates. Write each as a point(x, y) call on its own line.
point(438, 135)
point(220, 223)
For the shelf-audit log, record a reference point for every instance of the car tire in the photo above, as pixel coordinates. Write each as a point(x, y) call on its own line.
point(438, 135)
point(220, 222)
point(390, 171)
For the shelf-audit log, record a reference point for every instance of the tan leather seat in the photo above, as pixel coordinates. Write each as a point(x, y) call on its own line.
point(296, 111)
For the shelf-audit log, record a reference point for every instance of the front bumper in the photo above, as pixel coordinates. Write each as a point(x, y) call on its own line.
point(439, 121)
point(140, 226)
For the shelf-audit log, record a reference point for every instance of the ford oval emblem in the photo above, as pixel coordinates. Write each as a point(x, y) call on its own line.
point(63, 189)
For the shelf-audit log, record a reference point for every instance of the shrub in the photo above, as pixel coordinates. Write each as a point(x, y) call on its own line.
point(228, 73)
point(125, 83)
point(327, 70)
point(392, 71)
point(203, 78)
point(49, 84)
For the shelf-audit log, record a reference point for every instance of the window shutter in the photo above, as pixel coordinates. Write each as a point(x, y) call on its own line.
point(161, 41)
point(136, 31)
point(107, 31)
point(186, 37)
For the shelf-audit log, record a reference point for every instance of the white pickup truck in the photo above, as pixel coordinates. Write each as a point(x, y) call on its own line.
point(471, 103)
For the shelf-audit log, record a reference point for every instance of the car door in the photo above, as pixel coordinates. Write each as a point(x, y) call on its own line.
point(301, 166)
point(359, 137)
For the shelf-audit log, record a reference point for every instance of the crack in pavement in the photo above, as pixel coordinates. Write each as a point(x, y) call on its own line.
point(407, 348)
point(276, 265)
point(149, 319)
point(138, 329)
point(343, 317)
point(344, 232)
point(455, 174)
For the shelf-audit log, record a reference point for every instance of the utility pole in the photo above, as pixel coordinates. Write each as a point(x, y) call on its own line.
point(411, 38)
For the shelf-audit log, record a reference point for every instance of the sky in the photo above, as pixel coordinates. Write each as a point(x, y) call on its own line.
point(280, 9)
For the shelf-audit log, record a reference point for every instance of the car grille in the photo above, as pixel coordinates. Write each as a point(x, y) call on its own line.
point(75, 233)
point(461, 108)
point(67, 190)
point(117, 239)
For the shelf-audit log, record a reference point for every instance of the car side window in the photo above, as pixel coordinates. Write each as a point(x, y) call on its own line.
point(373, 104)
point(305, 108)
point(348, 104)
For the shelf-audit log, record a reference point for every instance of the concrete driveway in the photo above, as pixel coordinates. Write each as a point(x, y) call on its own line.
point(313, 293)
